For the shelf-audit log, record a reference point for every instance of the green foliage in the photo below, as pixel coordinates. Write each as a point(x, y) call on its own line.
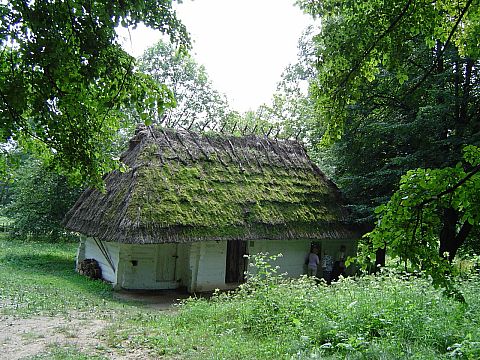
point(10, 159)
point(250, 122)
point(64, 79)
point(397, 88)
point(198, 105)
point(382, 317)
point(40, 199)
point(291, 113)
point(410, 223)
point(387, 316)
point(393, 127)
point(358, 40)
point(392, 130)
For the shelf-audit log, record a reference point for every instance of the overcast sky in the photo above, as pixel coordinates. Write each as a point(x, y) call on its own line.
point(243, 44)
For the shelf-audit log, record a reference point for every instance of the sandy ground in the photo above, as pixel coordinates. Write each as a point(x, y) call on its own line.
point(24, 338)
point(161, 300)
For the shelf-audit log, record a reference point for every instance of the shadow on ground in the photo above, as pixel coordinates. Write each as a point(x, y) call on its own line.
point(62, 267)
point(42, 263)
point(157, 299)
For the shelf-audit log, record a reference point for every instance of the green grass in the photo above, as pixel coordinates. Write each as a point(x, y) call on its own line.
point(385, 317)
point(61, 352)
point(370, 318)
point(39, 278)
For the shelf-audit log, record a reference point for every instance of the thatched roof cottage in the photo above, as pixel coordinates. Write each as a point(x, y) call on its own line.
point(190, 206)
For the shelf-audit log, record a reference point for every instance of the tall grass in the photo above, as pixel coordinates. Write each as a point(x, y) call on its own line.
point(269, 317)
point(382, 317)
point(39, 278)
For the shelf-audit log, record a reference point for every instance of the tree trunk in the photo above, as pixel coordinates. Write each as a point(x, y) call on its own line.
point(380, 259)
point(450, 240)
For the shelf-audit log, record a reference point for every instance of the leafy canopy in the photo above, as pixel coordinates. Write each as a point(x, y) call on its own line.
point(39, 200)
point(64, 78)
point(198, 105)
point(358, 38)
point(405, 74)
point(289, 114)
point(409, 224)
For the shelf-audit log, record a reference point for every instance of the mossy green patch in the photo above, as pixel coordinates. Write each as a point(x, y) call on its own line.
point(210, 194)
point(185, 187)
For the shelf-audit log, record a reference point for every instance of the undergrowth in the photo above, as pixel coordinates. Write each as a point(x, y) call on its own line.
point(270, 317)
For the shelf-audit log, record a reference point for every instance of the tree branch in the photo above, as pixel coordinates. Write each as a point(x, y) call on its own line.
point(451, 189)
point(372, 46)
point(449, 39)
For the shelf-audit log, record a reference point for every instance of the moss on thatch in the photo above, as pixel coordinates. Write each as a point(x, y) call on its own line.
point(182, 186)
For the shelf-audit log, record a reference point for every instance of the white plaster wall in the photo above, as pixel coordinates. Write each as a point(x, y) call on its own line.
point(293, 251)
point(138, 266)
point(200, 266)
point(80, 252)
point(93, 252)
point(207, 264)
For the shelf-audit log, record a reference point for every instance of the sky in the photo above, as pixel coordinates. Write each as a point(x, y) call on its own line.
point(244, 44)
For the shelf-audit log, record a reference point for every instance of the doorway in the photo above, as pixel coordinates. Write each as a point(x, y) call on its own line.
point(166, 262)
point(236, 263)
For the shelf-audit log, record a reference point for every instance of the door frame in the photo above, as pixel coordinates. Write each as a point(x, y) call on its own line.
point(172, 282)
point(235, 261)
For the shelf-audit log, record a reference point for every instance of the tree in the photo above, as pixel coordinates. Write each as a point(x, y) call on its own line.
point(357, 40)
point(291, 110)
point(430, 216)
point(64, 78)
point(198, 105)
point(11, 160)
point(399, 81)
point(39, 200)
point(385, 136)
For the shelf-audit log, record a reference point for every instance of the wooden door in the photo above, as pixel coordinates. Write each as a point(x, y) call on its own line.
point(166, 262)
point(236, 262)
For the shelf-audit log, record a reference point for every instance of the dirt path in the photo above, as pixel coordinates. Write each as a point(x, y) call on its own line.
point(23, 338)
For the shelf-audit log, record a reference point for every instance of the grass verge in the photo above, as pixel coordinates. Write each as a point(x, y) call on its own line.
point(383, 317)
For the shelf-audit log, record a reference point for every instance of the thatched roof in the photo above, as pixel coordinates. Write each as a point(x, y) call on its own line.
point(182, 186)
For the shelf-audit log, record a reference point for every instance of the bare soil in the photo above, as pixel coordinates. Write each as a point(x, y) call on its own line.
point(158, 299)
point(23, 338)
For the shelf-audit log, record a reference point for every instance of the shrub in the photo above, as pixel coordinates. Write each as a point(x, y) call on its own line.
point(384, 316)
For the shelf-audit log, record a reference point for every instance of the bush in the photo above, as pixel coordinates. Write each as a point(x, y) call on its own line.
point(40, 199)
point(385, 316)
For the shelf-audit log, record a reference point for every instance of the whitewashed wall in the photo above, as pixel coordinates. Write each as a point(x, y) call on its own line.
point(197, 266)
point(207, 265)
point(92, 251)
point(293, 251)
point(139, 267)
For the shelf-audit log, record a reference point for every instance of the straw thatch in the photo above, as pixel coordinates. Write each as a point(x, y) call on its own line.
point(181, 186)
